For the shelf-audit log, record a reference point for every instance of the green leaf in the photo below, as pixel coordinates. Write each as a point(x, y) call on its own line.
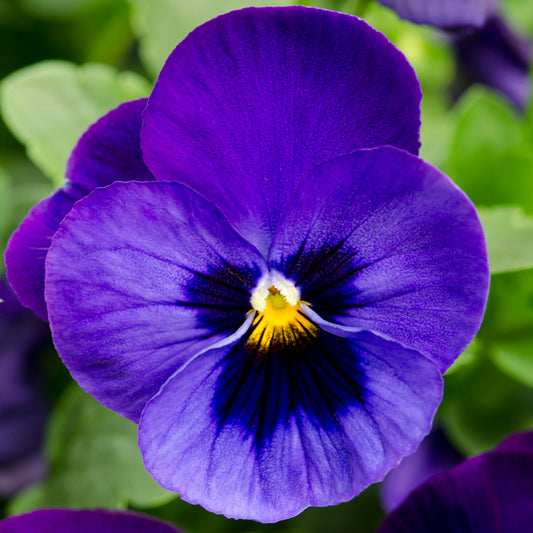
point(60, 8)
point(509, 313)
point(5, 213)
point(161, 24)
point(509, 234)
point(50, 104)
point(94, 461)
point(5, 200)
point(515, 357)
point(482, 405)
point(489, 157)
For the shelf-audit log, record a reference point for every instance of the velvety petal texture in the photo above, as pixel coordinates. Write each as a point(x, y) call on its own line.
point(23, 406)
point(84, 521)
point(251, 100)
point(139, 278)
point(109, 151)
point(491, 493)
point(380, 240)
point(495, 56)
point(263, 435)
point(449, 14)
point(435, 454)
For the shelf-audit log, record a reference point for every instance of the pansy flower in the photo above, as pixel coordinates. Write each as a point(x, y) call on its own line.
point(445, 14)
point(23, 406)
point(486, 49)
point(495, 56)
point(490, 493)
point(84, 521)
point(276, 308)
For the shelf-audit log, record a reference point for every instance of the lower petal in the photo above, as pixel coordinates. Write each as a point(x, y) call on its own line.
point(263, 435)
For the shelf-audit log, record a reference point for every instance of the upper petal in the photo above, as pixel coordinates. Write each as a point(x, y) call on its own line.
point(84, 521)
point(443, 13)
point(108, 151)
point(264, 433)
point(139, 277)
point(251, 100)
point(380, 240)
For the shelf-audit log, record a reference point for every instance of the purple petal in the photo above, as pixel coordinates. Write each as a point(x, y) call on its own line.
point(435, 454)
point(497, 57)
point(450, 14)
point(84, 521)
point(263, 434)
point(251, 100)
point(519, 441)
point(380, 240)
point(140, 277)
point(108, 151)
point(491, 493)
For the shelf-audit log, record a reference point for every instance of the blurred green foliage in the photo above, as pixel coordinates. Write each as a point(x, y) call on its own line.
point(94, 461)
point(64, 63)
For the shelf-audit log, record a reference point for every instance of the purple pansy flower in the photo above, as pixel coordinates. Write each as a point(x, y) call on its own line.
point(22, 404)
point(435, 454)
point(490, 493)
point(84, 521)
point(446, 14)
point(497, 57)
point(276, 309)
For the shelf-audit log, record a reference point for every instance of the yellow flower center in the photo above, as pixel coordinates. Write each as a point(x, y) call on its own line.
point(280, 324)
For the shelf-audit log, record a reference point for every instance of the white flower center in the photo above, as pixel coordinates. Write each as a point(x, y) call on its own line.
point(272, 283)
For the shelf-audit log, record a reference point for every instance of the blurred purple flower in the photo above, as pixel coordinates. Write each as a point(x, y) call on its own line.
point(445, 14)
point(84, 521)
point(497, 57)
point(435, 454)
point(487, 51)
point(490, 493)
point(22, 404)
point(277, 308)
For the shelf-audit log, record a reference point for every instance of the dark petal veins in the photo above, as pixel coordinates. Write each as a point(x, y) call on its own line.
point(450, 14)
point(84, 521)
point(109, 151)
point(491, 493)
point(251, 100)
point(379, 240)
point(497, 57)
point(140, 277)
point(239, 428)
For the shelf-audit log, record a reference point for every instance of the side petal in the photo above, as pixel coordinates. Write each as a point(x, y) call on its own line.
point(380, 240)
point(264, 434)
point(490, 493)
point(140, 277)
point(253, 99)
point(447, 14)
point(109, 151)
point(84, 521)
